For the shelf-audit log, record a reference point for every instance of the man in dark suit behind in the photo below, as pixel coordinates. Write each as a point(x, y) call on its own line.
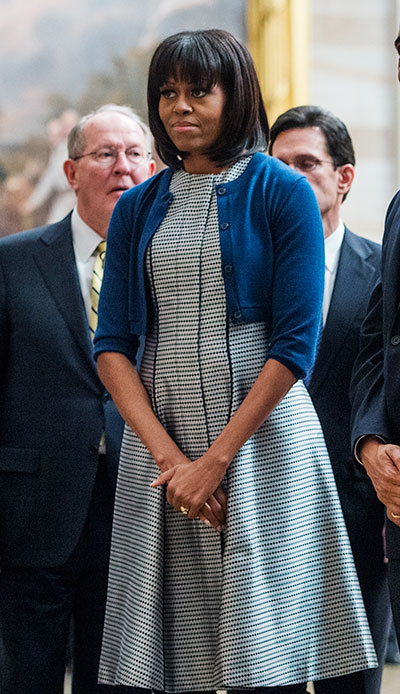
point(375, 391)
point(59, 430)
point(318, 145)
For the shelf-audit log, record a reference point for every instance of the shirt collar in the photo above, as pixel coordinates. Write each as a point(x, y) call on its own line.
point(85, 240)
point(332, 247)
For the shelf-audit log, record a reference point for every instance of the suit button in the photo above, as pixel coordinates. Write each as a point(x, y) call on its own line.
point(224, 226)
point(94, 450)
point(228, 269)
point(221, 191)
point(106, 397)
point(237, 315)
point(395, 340)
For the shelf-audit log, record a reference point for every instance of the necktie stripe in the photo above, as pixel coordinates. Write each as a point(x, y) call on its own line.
point(97, 279)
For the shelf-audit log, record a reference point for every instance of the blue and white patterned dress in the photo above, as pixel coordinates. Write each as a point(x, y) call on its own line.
point(273, 599)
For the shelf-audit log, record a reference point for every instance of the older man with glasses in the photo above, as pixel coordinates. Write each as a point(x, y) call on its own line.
point(317, 144)
point(60, 432)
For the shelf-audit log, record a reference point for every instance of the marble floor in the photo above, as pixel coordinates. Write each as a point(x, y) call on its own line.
point(390, 682)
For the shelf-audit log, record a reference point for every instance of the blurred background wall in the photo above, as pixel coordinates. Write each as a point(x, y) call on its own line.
point(60, 57)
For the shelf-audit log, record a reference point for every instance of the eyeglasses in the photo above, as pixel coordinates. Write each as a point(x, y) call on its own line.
point(107, 156)
point(306, 163)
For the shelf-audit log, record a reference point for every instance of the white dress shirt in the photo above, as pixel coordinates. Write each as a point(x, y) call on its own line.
point(85, 241)
point(333, 245)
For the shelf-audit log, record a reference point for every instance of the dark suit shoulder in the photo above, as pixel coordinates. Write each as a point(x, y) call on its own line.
point(393, 206)
point(23, 240)
point(365, 248)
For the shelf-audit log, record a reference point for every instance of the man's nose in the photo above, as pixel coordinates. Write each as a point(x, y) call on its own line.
point(122, 163)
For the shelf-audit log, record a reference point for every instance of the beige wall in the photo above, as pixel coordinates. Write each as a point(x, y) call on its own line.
point(354, 74)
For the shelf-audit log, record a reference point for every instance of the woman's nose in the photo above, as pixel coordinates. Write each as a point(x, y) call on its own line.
point(182, 104)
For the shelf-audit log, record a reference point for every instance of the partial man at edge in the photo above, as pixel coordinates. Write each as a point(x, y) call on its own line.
point(60, 432)
point(316, 143)
point(375, 392)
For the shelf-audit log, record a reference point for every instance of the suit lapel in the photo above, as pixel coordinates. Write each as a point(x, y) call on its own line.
point(391, 272)
point(56, 251)
point(349, 284)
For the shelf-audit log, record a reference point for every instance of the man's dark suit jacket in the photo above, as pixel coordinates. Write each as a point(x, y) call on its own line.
point(375, 387)
point(53, 406)
point(357, 274)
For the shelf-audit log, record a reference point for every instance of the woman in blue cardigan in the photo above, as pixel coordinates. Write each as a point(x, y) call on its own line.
point(230, 566)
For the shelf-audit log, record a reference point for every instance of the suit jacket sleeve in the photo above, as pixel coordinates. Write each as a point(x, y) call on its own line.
point(369, 414)
point(369, 389)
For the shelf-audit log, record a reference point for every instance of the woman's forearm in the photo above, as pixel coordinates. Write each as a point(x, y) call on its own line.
point(272, 384)
point(121, 379)
point(130, 397)
point(191, 487)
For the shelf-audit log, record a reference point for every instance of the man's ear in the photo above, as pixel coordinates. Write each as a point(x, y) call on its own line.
point(70, 170)
point(346, 177)
point(152, 167)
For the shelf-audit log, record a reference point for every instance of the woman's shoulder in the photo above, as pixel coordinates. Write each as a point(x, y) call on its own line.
point(274, 180)
point(156, 185)
point(268, 173)
point(271, 168)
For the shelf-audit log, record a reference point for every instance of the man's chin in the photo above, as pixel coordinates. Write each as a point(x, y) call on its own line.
point(116, 194)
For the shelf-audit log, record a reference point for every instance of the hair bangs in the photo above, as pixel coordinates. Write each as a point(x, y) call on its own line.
point(188, 60)
point(204, 58)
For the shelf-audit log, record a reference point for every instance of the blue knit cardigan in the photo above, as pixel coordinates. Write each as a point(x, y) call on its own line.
point(272, 260)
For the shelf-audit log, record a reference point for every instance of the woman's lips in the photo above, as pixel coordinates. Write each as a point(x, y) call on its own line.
point(183, 127)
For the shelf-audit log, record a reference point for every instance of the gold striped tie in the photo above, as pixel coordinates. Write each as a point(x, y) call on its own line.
point(96, 285)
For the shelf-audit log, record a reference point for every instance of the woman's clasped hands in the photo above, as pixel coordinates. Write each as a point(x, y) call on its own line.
point(194, 488)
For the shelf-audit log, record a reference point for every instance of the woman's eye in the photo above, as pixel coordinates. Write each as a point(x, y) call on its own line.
point(167, 93)
point(198, 91)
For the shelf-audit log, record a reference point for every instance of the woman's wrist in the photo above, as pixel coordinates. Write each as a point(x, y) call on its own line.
point(168, 456)
point(217, 460)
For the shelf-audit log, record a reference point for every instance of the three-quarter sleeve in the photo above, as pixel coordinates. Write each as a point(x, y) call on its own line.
point(298, 277)
point(113, 333)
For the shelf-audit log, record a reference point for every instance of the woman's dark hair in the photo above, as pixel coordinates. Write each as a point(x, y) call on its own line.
point(205, 58)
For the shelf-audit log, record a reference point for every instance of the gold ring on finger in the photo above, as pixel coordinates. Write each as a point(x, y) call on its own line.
point(185, 510)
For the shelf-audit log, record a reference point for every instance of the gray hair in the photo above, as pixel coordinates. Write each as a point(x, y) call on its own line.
point(76, 138)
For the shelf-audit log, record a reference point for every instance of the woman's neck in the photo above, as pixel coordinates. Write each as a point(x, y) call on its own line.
point(200, 164)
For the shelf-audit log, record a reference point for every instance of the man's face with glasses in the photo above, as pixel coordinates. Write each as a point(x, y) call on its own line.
point(304, 149)
point(115, 159)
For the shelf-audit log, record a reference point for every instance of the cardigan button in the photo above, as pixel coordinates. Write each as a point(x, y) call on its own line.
point(395, 340)
point(228, 269)
point(221, 191)
point(224, 226)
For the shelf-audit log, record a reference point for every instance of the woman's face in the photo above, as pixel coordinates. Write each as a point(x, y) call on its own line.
point(192, 118)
